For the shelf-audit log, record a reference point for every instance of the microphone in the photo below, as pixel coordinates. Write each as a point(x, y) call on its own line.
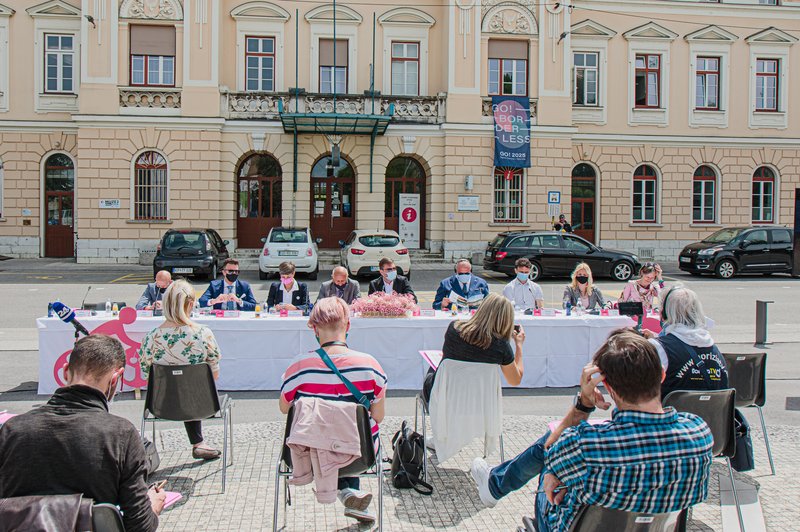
point(85, 296)
point(67, 315)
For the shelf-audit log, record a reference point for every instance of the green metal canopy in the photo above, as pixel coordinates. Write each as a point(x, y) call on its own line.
point(335, 123)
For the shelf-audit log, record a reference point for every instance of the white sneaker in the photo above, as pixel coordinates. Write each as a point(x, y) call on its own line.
point(429, 443)
point(354, 499)
point(480, 472)
point(359, 515)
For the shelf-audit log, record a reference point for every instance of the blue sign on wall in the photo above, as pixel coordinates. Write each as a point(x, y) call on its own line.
point(512, 131)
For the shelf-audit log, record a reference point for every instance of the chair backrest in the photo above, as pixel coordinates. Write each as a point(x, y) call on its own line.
point(716, 407)
point(747, 374)
point(181, 393)
point(357, 467)
point(106, 518)
point(46, 512)
point(594, 518)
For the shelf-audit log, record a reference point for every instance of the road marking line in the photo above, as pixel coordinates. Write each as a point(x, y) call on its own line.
point(121, 278)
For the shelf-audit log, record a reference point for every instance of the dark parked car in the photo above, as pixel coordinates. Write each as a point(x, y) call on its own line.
point(191, 252)
point(554, 253)
point(760, 249)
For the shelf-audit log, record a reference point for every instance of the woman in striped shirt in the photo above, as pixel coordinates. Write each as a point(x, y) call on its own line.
point(308, 376)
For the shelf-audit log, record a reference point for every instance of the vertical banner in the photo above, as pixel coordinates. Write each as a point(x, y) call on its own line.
point(409, 220)
point(796, 253)
point(512, 131)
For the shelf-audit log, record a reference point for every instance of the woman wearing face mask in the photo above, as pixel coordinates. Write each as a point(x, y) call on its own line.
point(582, 289)
point(288, 293)
point(180, 341)
point(646, 288)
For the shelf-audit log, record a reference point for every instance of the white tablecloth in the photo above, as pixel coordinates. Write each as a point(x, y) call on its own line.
point(255, 352)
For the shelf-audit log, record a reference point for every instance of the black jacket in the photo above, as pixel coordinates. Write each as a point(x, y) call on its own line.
point(74, 445)
point(400, 285)
point(299, 297)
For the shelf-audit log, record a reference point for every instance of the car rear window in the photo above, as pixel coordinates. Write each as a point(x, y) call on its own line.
point(497, 242)
point(379, 241)
point(781, 236)
point(289, 236)
point(179, 240)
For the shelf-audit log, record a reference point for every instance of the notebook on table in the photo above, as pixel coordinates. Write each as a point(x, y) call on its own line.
point(432, 357)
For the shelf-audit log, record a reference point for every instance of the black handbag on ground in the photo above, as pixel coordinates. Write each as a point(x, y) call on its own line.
point(151, 458)
point(743, 460)
point(407, 461)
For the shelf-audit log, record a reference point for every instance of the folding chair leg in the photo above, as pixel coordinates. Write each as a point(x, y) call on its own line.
point(379, 467)
point(416, 412)
point(424, 446)
point(766, 440)
point(735, 495)
point(502, 449)
point(277, 495)
point(224, 449)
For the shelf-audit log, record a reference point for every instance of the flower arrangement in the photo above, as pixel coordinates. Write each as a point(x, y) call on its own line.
point(383, 305)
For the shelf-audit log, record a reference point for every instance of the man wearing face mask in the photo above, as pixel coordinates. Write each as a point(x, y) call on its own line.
point(464, 284)
point(340, 286)
point(389, 281)
point(154, 292)
point(73, 444)
point(523, 292)
point(230, 292)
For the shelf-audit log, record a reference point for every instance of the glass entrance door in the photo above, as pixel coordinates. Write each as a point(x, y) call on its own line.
point(583, 201)
point(332, 202)
point(59, 181)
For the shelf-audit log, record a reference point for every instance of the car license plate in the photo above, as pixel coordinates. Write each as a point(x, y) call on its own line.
point(373, 268)
point(686, 259)
point(488, 253)
point(182, 270)
point(286, 253)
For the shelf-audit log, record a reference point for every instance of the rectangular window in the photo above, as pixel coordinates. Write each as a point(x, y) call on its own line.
point(333, 66)
point(648, 81)
point(152, 55)
point(153, 70)
point(59, 56)
point(644, 200)
point(768, 2)
point(762, 201)
point(508, 190)
point(707, 83)
point(405, 68)
point(767, 84)
point(585, 76)
point(259, 59)
point(508, 67)
point(703, 201)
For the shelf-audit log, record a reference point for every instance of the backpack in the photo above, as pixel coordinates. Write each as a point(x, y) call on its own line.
point(408, 461)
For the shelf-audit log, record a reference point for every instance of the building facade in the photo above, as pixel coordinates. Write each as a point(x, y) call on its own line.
point(656, 121)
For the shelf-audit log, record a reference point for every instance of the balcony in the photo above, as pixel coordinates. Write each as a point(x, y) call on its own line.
point(486, 110)
point(132, 100)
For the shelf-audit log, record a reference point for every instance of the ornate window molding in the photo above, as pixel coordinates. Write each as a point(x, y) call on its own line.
point(711, 41)
point(590, 36)
point(405, 24)
point(151, 10)
point(5, 14)
point(509, 19)
point(260, 19)
point(56, 17)
point(650, 38)
point(770, 43)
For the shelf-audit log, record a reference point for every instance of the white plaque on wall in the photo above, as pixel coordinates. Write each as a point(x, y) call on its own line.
point(468, 203)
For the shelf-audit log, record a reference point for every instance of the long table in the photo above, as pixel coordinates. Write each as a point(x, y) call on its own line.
point(256, 351)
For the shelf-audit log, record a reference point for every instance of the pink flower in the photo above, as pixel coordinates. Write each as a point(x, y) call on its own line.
point(383, 304)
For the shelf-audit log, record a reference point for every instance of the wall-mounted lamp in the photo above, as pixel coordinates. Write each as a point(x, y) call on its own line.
point(91, 20)
point(469, 183)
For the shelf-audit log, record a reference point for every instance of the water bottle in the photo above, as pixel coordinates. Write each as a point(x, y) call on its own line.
point(108, 306)
point(568, 306)
point(579, 308)
point(49, 310)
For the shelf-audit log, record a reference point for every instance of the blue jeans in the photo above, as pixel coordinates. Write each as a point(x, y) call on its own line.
point(349, 482)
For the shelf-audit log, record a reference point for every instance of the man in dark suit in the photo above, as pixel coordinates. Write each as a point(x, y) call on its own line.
point(470, 287)
point(389, 281)
point(340, 286)
point(154, 292)
point(289, 293)
point(229, 293)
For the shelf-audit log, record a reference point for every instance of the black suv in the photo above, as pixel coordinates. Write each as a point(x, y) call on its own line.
point(760, 249)
point(191, 252)
point(554, 253)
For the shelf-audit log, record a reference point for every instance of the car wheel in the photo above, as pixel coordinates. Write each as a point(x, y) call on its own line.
point(622, 270)
point(213, 273)
point(725, 269)
point(313, 275)
point(536, 271)
point(263, 275)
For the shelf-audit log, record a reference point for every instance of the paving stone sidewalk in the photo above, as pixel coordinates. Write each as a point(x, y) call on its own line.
point(248, 501)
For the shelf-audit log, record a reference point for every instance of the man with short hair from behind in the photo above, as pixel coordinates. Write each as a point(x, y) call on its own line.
point(647, 458)
point(73, 444)
point(154, 292)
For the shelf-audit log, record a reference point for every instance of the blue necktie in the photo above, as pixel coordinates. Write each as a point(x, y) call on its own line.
point(231, 304)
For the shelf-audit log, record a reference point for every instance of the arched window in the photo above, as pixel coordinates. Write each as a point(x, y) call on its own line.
point(763, 195)
point(645, 194)
point(704, 195)
point(508, 194)
point(150, 187)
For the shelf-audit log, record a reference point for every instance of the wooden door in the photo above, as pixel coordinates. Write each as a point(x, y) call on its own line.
point(404, 175)
point(332, 202)
point(260, 195)
point(583, 201)
point(59, 203)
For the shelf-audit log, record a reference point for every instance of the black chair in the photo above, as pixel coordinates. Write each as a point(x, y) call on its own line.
point(594, 518)
point(747, 374)
point(716, 407)
point(369, 465)
point(106, 518)
point(188, 393)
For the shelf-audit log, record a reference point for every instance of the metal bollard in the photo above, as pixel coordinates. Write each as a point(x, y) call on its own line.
point(761, 322)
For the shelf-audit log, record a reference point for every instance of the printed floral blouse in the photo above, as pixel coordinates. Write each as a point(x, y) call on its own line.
point(179, 345)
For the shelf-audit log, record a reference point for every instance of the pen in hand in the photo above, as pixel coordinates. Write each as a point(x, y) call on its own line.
point(158, 487)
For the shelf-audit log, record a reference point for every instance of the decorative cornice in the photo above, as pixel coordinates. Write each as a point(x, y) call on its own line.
point(53, 9)
point(151, 10)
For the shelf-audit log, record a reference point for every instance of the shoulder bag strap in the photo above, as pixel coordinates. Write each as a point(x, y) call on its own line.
point(700, 364)
point(360, 397)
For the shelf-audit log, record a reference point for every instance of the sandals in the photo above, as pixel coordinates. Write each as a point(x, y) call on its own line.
point(202, 453)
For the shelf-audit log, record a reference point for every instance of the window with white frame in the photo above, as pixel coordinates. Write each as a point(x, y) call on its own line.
point(59, 57)
point(704, 189)
point(405, 68)
point(260, 64)
point(763, 195)
point(707, 83)
point(768, 2)
point(767, 84)
point(2, 187)
point(508, 195)
point(585, 78)
point(152, 56)
point(333, 58)
point(645, 191)
point(150, 187)
point(508, 67)
point(648, 81)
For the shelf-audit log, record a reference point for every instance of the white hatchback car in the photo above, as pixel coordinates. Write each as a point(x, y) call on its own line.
point(363, 250)
point(294, 244)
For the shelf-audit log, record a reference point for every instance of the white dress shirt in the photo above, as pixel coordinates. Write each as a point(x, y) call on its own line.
point(523, 295)
point(287, 295)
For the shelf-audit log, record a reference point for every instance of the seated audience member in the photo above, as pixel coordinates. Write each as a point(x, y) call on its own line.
point(340, 286)
point(180, 341)
point(230, 292)
point(309, 376)
point(389, 281)
point(686, 348)
point(582, 289)
point(562, 224)
point(646, 288)
point(463, 283)
point(646, 459)
point(73, 444)
point(153, 292)
point(486, 338)
point(522, 292)
point(288, 293)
